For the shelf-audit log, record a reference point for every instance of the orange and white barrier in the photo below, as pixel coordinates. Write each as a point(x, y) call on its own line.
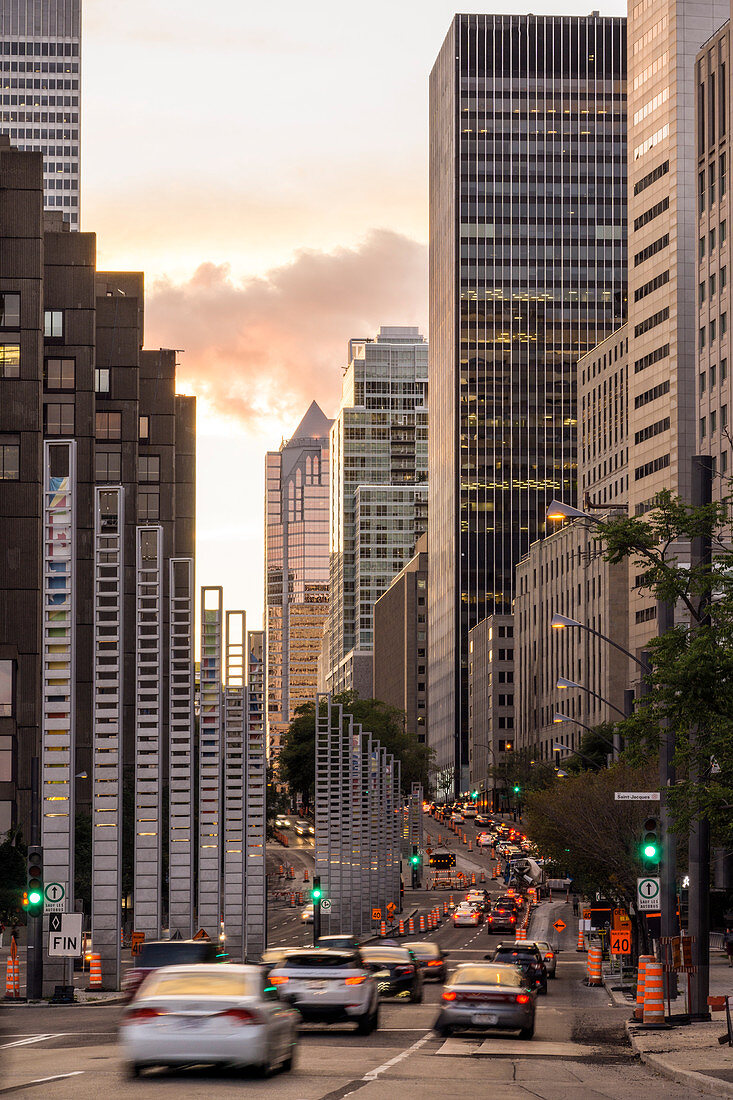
point(95, 971)
point(595, 966)
point(653, 994)
point(641, 984)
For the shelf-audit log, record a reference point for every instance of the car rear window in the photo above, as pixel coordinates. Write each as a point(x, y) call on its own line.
point(395, 955)
point(523, 956)
point(176, 953)
point(424, 950)
point(315, 960)
point(206, 983)
point(486, 975)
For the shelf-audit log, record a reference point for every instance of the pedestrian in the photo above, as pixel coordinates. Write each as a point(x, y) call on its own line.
point(729, 944)
point(575, 905)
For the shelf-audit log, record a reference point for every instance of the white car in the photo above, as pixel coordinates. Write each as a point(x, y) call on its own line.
point(306, 916)
point(466, 914)
point(456, 817)
point(484, 840)
point(327, 984)
point(222, 1013)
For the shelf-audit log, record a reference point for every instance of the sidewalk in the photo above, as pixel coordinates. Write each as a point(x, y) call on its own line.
point(689, 1054)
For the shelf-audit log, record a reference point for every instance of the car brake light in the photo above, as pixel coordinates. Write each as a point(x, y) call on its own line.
point(278, 980)
point(550, 955)
point(241, 1015)
point(434, 962)
point(404, 970)
point(522, 998)
point(147, 1013)
point(354, 981)
point(449, 995)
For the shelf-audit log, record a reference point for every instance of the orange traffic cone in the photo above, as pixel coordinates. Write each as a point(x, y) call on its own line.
point(581, 938)
point(401, 930)
point(305, 875)
point(383, 928)
point(653, 994)
point(95, 971)
point(411, 926)
point(644, 960)
point(422, 923)
point(10, 993)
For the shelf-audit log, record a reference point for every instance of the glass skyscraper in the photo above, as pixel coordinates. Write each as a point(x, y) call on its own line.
point(296, 569)
point(40, 57)
point(527, 273)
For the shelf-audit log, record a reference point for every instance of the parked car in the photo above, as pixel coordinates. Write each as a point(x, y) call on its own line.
point(431, 958)
point(527, 957)
point(482, 997)
point(157, 953)
point(328, 985)
point(396, 970)
point(226, 1014)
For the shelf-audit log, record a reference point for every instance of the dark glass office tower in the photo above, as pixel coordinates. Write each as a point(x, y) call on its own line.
point(527, 273)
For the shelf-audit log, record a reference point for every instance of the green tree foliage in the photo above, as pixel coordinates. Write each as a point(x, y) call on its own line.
point(579, 826)
point(521, 769)
point(595, 745)
point(12, 876)
point(297, 755)
point(691, 678)
point(83, 861)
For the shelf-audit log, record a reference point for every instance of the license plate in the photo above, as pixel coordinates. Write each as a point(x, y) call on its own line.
point(317, 985)
point(484, 1018)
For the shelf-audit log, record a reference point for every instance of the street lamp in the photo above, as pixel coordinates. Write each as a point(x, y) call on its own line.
point(561, 622)
point(558, 717)
point(556, 747)
point(559, 511)
point(562, 682)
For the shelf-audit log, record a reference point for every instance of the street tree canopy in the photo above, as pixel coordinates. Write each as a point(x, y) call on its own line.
point(296, 760)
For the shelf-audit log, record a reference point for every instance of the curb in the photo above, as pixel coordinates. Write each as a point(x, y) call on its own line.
point(712, 1086)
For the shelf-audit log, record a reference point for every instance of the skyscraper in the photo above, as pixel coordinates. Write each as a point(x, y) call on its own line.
point(296, 568)
point(40, 54)
point(527, 273)
point(378, 490)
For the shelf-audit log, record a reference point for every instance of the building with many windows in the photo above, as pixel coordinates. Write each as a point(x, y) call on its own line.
point(379, 492)
point(296, 569)
point(527, 273)
point(40, 63)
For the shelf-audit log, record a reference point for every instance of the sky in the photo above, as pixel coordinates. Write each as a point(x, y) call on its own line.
point(265, 165)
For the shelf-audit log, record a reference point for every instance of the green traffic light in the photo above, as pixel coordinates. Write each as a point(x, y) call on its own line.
point(650, 851)
point(517, 789)
point(34, 897)
point(414, 859)
point(316, 895)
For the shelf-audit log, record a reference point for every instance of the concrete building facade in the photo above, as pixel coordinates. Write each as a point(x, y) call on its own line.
point(491, 707)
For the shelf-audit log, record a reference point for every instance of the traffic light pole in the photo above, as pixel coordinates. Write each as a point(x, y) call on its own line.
point(34, 946)
point(316, 909)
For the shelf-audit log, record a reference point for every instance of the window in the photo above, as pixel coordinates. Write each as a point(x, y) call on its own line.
point(6, 689)
point(60, 374)
point(723, 324)
point(651, 286)
point(9, 457)
point(723, 369)
point(144, 429)
point(9, 360)
point(723, 417)
point(702, 338)
point(651, 357)
point(712, 375)
point(702, 383)
point(712, 239)
point(701, 248)
point(660, 463)
point(101, 380)
point(701, 293)
point(149, 468)
point(651, 395)
point(713, 330)
point(702, 428)
point(651, 177)
point(108, 467)
point(711, 184)
point(109, 425)
point(651, 322)
point(651, 430)
point(713, 422)
point(652, 213)
point(59, 419)
point(651, 250)
point(53, 324)
point(9, 310)
point(148, 505)
point(712, 286)
point(723, 461)
point(722, 175)
point(723, 277)
point(701, 192)
point(723, 232)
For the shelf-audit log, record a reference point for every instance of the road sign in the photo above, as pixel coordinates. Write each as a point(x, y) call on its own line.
point(587, 914)
point(637, 796)
point(64, 935)
point(391, 907)
point(137, 939)
point(376, 914)
point(202, 934)
point(559, 925)
point(620, 942)
point(54, 898)
point(647, 894)
point(325, 905)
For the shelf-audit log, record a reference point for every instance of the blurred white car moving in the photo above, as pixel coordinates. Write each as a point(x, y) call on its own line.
point(225, 1014)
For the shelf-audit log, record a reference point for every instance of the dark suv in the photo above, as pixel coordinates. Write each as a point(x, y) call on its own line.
point(157, 953)
point(502, 918)
point(528, 957)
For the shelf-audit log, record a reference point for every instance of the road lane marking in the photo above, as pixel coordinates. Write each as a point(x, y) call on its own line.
point(42, 1081)
point(373, 1074)
point(34, 1039)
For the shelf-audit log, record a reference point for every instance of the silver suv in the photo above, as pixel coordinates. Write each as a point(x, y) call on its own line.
point(326, 985)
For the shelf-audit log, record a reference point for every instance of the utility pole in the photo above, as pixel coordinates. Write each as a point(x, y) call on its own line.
point(316, 894)
point(34, 947)
point(699, 892)
point(668, 867)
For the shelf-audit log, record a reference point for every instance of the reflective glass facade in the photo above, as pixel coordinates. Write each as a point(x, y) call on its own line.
point(296, 568)
point(527, 273)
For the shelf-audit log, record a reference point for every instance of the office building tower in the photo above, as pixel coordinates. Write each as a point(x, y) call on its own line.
point(491, 709)
point(296, 569)
point(378, 495)
point(401, 643)
point(676, 218)
point(527, 273)
point(40, 56)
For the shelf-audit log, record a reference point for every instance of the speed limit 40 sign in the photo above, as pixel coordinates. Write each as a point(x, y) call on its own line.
point(620, 942)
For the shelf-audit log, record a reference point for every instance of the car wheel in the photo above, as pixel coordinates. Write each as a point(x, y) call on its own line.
point(543, 989)
point(365, 1023)
point(527, 1032)
point(134, 1069)
point(416, 996)
point(445, 1031)
point(289, 1061)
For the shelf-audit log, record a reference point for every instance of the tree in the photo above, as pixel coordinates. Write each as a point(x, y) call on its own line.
point(593, 750)
point(83, 861)
point(387, 723)
point(12, 875)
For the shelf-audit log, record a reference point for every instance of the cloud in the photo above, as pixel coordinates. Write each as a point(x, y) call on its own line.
point(268, 346)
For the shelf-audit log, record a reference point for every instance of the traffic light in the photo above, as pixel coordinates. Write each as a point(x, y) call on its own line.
point(35, 881)
point(517, 789)
point(415, 857)
point(316, 892)
point(474, 795)
point(25, 900)
point(651, 845)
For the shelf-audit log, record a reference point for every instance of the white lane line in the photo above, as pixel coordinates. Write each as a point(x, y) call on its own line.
point(33, 1039)
point(374, 1073)
point(43, 1081)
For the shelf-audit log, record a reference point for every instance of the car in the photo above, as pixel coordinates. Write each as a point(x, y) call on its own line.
point(481, 996)
point(465, 914)
point(327, 985)
point(482, 819)
point(484, 840)
point(396, 970)
point(502, 918)
point(273, 956)
point(302, 827)
point(549, 954)
point(157, 953)
point(225, 1014)
point(282, 822)
point(469, 813)
point(343, 940)
point(457, 816)
point(480, 899)
point(511, 900)
point(431, 959)
point(306, 915)
point(527, 956)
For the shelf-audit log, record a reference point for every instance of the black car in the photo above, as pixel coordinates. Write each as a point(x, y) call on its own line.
point(431, 959)
point(528, 957)
point(502, 918)
point(344, 941)
point(396, 970)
